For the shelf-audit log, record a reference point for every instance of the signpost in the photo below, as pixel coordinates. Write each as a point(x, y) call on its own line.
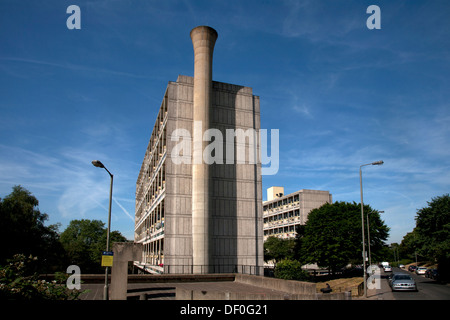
point(107, 258)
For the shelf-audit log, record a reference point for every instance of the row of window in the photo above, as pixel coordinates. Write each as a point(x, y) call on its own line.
point(152, 177)
point(283, 216)
point(289, 200)
point(280, 230)
point(153, 252)
point(154, 222)
point(155, 189)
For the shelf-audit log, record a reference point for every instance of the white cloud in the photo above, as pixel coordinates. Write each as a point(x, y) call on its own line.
point(65, 182)
point(68, 66)
point(302, 109)
point(302, 19)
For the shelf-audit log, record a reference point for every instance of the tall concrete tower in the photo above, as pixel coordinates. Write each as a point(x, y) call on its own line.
point(197, 211)
point(203, 41)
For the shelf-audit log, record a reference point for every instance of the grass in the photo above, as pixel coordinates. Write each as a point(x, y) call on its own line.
point(428, 264)
point(342, 285)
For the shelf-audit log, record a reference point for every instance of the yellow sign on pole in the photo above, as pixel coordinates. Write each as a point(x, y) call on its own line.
point(107, 258)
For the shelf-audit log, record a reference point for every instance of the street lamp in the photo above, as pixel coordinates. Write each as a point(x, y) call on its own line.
point(376, 163)
point(368, 240)
point(98, 164)
point(368, 237)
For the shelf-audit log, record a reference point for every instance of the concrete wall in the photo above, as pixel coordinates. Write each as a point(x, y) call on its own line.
point(236, 190)
point(186, 294)
point(123, 252)
point(178, 202)
point(285, 290)
point(288, 286)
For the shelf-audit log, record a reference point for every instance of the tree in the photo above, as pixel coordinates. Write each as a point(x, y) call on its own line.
point(433, 232)
point(84, 240)
point(332, 235)
point(277, 249)
point(409, 247)
point(290, 270)
point(22, 230)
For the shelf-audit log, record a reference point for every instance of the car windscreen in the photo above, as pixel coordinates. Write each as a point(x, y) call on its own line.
point(402, 277)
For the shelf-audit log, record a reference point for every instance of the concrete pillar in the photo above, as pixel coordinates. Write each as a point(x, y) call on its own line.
point(123, 252)
point(203, 41)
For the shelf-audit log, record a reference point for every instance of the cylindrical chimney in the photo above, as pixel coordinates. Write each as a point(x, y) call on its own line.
point(203, 41)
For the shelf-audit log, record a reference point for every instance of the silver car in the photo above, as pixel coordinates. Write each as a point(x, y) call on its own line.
point(403, 282)
point(421, 270)
point(390, 278)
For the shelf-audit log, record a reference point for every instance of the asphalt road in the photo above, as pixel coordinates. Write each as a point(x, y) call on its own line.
point(427, 289)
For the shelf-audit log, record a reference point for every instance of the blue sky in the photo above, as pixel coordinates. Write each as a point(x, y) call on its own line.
point(340, 94)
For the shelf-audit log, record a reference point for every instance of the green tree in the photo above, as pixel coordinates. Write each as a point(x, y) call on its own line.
point(290, 270)
point(277, 249)
point(84, 240)
point(409, 246)
point(433, 232)
point(332, 235)
point(23, 230)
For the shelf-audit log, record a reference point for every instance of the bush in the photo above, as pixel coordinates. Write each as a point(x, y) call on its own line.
point(16, 283)
point(290, 270)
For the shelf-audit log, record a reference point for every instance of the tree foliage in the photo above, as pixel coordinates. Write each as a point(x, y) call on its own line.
point(84, 240)
point(18, 282)
point(288, 269)
point(432, 233)
point(23, 229)
point(277, 249)
point(332, 236)
point(433, 228)
point(409, 245)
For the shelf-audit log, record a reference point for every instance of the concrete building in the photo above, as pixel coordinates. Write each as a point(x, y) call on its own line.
point(282, 213)
point(192, 216)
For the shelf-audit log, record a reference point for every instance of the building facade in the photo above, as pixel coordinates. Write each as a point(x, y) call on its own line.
point(184, 226)
point(283, 213)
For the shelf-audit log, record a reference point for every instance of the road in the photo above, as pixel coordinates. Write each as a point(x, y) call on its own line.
point(427, 289)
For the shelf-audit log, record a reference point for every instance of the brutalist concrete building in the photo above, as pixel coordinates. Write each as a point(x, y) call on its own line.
point(194, 216)
point(283, 213)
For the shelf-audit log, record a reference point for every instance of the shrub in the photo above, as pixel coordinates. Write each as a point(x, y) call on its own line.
point(18, 284)
point(290, 270)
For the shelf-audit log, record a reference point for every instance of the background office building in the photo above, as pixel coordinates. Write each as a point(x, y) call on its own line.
point(198, 218)
point(282, 213)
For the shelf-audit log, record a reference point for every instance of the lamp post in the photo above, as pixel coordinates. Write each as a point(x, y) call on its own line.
point(368, 240)
point(368, 236)
point(362, 222)
point(98, 164)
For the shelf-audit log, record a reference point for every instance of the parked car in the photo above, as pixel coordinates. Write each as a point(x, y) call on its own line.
point(387, 269)
point(402, 266)
point(390, 278)
point(403, 282)
point(434, 274)
point(411, 268)
point(421, 270)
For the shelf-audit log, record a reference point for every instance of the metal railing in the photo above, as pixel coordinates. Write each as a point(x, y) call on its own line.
point(206, 269)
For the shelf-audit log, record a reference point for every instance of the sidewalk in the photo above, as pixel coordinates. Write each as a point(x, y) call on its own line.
point(373, 293)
